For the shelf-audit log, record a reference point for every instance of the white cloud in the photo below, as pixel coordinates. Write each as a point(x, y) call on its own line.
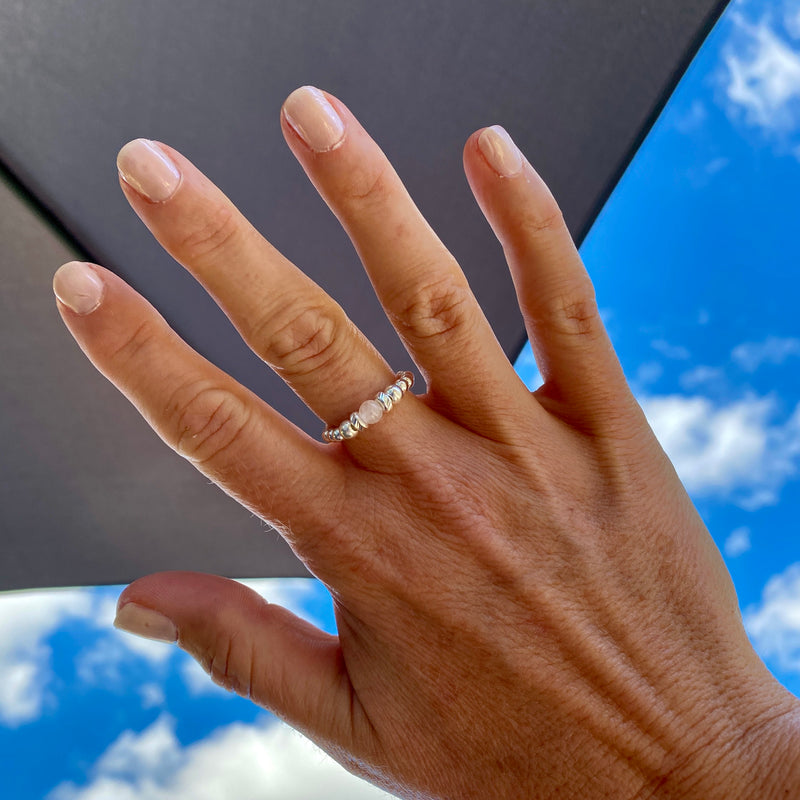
point(154, 753)
point(708, 377)
point(152, 695)
point(738, 543)
point(27, 619)
point(21, 690)
point(732, 451)
point(774, 624)
point(774, 350)
point(762, 76)
point(265, 761)
point(671, 351)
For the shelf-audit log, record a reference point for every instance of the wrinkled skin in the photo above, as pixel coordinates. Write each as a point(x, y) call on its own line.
point(528, 604)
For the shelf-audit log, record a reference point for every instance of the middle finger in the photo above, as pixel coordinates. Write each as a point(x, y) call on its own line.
point(286, 318)
point(421, 286)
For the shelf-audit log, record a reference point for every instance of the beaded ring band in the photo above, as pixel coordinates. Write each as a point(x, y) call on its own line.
point(370, 411)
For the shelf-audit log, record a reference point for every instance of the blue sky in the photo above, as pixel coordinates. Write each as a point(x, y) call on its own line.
point(694, 259)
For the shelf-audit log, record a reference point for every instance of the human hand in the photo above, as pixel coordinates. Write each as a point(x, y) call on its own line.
point(527, 603)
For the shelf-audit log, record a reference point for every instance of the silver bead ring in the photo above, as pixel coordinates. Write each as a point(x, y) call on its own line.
point(370, 411)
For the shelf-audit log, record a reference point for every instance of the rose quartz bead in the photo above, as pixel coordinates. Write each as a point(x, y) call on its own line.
point(370, 412)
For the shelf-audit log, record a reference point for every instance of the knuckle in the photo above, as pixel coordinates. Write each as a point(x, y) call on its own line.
point(367, 186)
point(212, 236)
point(300, 341)
point(140, 340)
point(438, 308)
point(543, 219)
point(231, 663)
point(208, 421)
point(573, 311)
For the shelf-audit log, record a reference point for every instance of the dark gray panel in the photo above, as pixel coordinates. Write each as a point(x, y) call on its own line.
point(576, 83)
point(89, 493)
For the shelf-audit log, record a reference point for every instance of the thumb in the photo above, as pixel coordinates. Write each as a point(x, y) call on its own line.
point(259, 650)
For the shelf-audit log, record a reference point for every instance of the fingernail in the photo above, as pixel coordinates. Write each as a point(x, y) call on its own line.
point(144, 166)
point(500, 151)
point(313, 118)
point(145, 622)
point(78, 286)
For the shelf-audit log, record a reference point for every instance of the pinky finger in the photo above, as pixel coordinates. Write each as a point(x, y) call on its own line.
point(584, 382)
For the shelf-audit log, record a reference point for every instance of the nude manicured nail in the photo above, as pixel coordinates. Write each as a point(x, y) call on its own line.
point(311, 115)
point(78, 286)
point(500, 151)
point(148, 169)
point(145, 622)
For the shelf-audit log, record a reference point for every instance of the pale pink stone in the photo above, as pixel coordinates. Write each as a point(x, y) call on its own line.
point(370, 412)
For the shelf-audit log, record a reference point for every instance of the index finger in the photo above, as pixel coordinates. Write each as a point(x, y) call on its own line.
point(226, 431)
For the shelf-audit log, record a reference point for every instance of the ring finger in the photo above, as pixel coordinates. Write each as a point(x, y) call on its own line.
point(286, 318)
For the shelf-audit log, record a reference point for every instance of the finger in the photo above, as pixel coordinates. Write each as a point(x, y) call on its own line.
point(258, 650)
point(421, 287)
point(573, 351)
point(227, 432)
point(286, 319)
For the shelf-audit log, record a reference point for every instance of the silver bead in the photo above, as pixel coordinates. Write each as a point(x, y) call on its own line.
point(395, 392)
point(336, 435)
point(357, 422)
point(347, 430)
point(408, 377)
point(384, 400)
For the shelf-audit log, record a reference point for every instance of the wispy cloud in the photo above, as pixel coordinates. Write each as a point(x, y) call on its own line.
point(704, 376)
point(671, 351)
point(266, 761)
point(791, 18)
point(761, 74)
point(152, 695)
point(774, 623)
point(733, 451)
point(648, 373)
point(738, 543)
point(749, 356)
point(691, 119)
